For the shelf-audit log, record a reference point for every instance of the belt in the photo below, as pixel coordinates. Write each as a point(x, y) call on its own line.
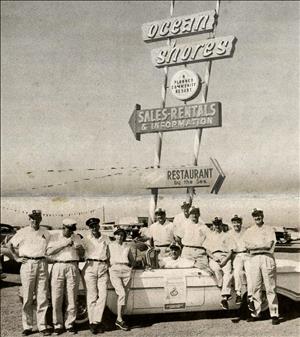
point(243, 251)
point(96, 260)
point(194, 247)
point(162, 245)
point(261, 253)
point(68, 261)
point(219, 251)
point(33, 258)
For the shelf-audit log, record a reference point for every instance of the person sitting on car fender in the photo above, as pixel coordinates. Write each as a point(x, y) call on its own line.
point(241, 259)
point(65, 275)
point(219, 248)
point(121, 261)
point(161, 232)
point(95, 273)
point(193, 239)
point(32, 242)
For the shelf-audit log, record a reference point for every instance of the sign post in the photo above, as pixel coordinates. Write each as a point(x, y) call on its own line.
point(185, 85)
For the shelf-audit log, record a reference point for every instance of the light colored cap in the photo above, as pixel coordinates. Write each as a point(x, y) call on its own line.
point(69, 222)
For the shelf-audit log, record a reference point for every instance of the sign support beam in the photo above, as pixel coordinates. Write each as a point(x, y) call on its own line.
point(159, 137)
point(204, 91)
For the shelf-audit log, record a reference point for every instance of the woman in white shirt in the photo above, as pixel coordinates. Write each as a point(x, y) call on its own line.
point(121, 261)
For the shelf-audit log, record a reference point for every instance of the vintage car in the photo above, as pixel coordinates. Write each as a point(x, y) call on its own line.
point(184, 290)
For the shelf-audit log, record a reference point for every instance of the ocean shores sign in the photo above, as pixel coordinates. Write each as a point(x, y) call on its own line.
point(192, 176)
point(183, 117)
point(209, 49)
point(179, 26)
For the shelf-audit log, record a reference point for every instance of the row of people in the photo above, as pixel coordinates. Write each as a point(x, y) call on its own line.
point(212, 251)
point(104, 259)
point(228, 254)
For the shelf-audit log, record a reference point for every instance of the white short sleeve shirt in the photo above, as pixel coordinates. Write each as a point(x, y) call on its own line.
point(31, 243)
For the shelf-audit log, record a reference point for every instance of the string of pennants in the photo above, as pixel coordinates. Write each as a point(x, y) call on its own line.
point(96, 169)
point(134, 168)
point(91, 211)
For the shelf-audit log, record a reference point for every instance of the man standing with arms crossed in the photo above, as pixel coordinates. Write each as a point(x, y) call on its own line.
point(32, 242)
point(260, 240)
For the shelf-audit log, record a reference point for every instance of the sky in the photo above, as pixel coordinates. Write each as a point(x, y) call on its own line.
point(72, 72)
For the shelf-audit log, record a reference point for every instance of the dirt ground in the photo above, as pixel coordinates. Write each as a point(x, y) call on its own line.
point(208, 324)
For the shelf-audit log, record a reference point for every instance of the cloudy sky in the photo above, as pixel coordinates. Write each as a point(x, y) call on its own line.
point(71, 73)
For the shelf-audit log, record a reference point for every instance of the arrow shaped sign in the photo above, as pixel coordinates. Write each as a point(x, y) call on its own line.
point(183, 117)
point(209, 178)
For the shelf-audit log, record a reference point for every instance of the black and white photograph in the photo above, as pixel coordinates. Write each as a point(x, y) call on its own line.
point(150, 168)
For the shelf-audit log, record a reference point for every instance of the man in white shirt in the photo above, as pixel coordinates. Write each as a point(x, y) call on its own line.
point(219, 248)
point(161, 232)
point(241, 258)
point(260, 240)
point(181, 219)
point(193, 238)
point(174, 260)
point(95, 273)
point(32, 242)
point(63, 248)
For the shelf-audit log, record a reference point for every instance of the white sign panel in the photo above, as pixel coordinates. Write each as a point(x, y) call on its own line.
point(185, 84)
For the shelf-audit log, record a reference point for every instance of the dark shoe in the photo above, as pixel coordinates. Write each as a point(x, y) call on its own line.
point(254, 318)
point(238, 299)
point(45, 332)
point(100, 328)
point(224, 304)
point(58, 331)
point(275, 320)
point(251, 306)
point(72, 330)
point(122, 325)
point(26, 332)
point(93, 328)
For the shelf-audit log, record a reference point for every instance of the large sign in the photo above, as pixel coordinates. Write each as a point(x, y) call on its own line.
point(179, 26)
point(209, 177)
point(209, 49)
point(183, 117)
point(185, 84)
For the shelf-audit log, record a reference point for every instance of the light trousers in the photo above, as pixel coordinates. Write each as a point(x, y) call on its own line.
point(34, 279)
point(96, 277)
point(64, 284)
point(223, 275)
point(120, 276)
point(263, 273)
point(241, 264)
point(200, 258)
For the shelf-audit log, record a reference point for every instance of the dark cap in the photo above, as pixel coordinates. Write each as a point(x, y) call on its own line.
point(237, 218)
point(186, 205)
point(257, 211)
point(195, 210)
point(160, 211)
point(175, 245)
point(92, 221)
point(120, 231)
point(35, 214)
point(217, 221)
point(70, 224)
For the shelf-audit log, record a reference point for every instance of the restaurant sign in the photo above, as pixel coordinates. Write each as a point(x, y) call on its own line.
point(191, 176)
point(209, 49)
point(179, 26)
point(183, 117)
point(185, 84)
